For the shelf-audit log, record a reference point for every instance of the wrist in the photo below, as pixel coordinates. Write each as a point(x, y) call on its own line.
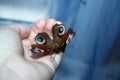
point(46, 71)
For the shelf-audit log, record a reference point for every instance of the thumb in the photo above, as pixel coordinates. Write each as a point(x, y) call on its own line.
point(23, 31)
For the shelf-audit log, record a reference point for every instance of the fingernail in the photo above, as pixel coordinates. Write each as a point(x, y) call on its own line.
point(58, 22)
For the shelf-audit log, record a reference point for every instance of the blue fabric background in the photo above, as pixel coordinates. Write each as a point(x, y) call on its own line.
point(97, 24)
point(94, 52)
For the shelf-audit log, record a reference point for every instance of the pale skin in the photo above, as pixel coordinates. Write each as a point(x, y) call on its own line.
point(15, 60)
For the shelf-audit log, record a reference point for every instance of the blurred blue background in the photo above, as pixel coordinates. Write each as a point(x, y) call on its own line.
point(94, 52)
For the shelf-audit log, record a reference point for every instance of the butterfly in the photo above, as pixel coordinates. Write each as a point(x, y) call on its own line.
point(45, 45)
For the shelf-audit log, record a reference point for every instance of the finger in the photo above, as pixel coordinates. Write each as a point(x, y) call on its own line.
point(58, 58)
point(58, 22)
point(49, 25)
point(23, 31)
point(37, 27)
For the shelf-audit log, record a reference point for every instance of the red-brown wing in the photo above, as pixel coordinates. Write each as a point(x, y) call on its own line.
point(66, 36)
point(42, 46)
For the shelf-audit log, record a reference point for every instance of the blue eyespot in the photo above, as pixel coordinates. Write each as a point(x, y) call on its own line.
point(60, 29)
point(40, 40)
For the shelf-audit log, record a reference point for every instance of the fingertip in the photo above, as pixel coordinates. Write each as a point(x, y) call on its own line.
point(38, 26)
point(23, 31)
point(51, 20)
point(50, 24)
point(39, 23)
point(58, 22)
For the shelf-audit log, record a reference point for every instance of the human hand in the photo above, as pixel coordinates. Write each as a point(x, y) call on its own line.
point(15, 43)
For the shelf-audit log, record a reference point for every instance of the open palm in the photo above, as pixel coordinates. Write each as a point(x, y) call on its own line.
point(18, 57)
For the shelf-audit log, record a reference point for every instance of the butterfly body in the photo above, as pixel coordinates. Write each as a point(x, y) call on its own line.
point(46, 46)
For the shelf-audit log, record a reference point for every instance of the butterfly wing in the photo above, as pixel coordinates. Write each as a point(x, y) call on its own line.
point(46, 46)
point(60, 37)
point(42, 46)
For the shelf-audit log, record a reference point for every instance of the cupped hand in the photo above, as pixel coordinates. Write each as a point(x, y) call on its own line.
point(15, 59)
